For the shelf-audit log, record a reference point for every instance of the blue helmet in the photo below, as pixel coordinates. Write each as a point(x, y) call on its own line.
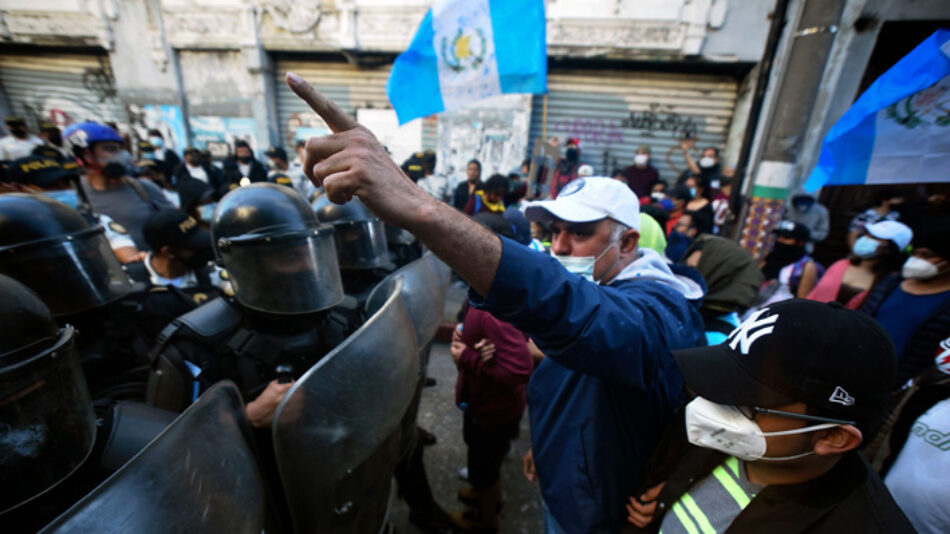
point(85, 134)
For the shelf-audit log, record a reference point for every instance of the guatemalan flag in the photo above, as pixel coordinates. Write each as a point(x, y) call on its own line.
point(467, 50)
point(899, 129)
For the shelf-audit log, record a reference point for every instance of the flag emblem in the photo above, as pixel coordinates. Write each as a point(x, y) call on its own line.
point(466, 51)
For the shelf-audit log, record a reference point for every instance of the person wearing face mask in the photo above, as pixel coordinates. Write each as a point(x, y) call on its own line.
point(641, 175)
point(567, 167)
point(804, 209)
point(884, 209)
point(874, 255)
point(914, 308)
point(242, 165)
point(107, 185)
point(181, 256)
point(60, 181)
point(20, 143)
point(197, 200)
point(161, 153)
point(770, 443)
point(708, 164)
point(689, 226)
point(195, 167)
point(789, 271)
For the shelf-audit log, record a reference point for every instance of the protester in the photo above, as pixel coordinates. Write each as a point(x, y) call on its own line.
point(431, 183)
point(804, 209)
point(195, 167)
point(885, 202)
point(732, 282)
point(149, 169)
point(606, 382)
point(874, 255)
point(708, 165)
point(242, 165)
point(128, 201)
point(20, 143)
point(491, 392)
point(914, 308)
point(688, 227)
point(916, 469)
point(488, 196)
point(161, 153)
point(567, 167)
point(722, 214)
point(680, 197)
point(473, 177)
point(774, 431)
point(641, 176)
point(789, 271)
point(702, 197)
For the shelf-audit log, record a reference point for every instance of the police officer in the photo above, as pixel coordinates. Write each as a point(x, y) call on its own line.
point(181, 256)
point(361, 247)
point(60, 181)
point(54, 251)
point(288, 308)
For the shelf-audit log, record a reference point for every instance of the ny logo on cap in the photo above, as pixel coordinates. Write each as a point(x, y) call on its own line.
point(842, 397)
point(572, 187)
point(751, 330)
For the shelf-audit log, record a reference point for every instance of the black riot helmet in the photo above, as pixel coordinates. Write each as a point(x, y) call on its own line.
point(50, 248)
point(279, 258)
point(360, 235)
point(47, 422)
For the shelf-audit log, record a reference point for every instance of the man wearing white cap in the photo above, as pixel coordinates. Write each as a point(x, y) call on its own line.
point(601, 396)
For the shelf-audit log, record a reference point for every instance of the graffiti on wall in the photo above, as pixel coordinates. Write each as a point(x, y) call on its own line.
point(592, 131)
point(660, 118)
point(218, 134)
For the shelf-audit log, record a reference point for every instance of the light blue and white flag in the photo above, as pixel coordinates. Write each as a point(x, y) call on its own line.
point(899, 129)
point(467, 50)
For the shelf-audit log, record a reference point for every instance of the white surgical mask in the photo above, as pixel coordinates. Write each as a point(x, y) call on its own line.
point(865, 247)
point(726, 429)
point(641, 159)
point(919, 269)
point(584, 265)
point(706, 162)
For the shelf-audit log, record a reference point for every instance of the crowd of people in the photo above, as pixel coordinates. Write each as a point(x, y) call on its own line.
point(673, 381)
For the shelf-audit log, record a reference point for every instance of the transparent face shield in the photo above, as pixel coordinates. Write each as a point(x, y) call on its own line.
point(71, 273)
point(293, 272)
point(361, 244)
point(47, 424)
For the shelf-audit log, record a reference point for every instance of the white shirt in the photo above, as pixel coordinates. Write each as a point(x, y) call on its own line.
point(12, 148)
point(245, 169)
point(198, 173)
point(184, 281)
point(919, 479)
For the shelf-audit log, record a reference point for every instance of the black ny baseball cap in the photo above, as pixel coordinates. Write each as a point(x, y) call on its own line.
point(174, 228)
point(40, 171)
point(839, 362)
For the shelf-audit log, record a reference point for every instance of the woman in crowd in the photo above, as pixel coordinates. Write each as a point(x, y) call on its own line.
point(876, 254)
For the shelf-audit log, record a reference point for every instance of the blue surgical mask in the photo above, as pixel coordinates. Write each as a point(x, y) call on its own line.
point(156, 141)
point(692, 192)
point(865, 247)
point(584, 265)
point(66, 196)
point(206, 211)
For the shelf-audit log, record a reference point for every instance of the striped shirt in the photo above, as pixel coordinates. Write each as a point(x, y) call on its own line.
point(710, 506)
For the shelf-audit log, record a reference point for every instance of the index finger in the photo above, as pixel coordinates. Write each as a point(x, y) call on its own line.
point(336, 119)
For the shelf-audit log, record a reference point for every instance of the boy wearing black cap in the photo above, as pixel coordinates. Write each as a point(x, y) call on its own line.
point(782, 407)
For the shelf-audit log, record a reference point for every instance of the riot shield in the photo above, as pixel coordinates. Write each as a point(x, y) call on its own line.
point(199, 475)
point(336, 432)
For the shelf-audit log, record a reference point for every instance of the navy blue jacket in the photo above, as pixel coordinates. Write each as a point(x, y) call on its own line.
point(607, 386)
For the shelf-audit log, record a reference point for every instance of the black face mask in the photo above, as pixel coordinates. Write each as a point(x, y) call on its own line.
point(114, 171)
point(244, 159)
point(55, 138)
point(781, 255)
point(199, 259)
point(572, 154)
point(18, 131)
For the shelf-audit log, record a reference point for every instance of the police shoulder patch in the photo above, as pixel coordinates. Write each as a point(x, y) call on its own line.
point(117, 228)
point(223, 273)
point(199, 298)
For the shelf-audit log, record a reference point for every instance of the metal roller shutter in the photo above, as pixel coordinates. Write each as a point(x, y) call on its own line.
point(351, 87)
point(64, 88)
point(615, 112)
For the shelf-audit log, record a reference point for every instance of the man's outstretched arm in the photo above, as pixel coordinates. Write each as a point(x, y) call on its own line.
point(352, 162)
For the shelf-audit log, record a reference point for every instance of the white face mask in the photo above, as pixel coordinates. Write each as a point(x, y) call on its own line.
point(641, 159)
point(726, 429)
point(584, 265)
point(706, 162)
point(919, 269)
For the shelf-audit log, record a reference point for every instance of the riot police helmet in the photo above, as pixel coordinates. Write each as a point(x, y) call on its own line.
point(45, 410)
point(359, 234)
point(280, 259)
point(50, 248)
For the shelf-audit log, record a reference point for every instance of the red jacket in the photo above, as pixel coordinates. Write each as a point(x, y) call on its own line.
point(493, 392)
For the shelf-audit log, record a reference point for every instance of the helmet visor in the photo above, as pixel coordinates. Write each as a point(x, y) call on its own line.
point(77, 273)
point(290, 273)
point(47, 425)
point(361, 244)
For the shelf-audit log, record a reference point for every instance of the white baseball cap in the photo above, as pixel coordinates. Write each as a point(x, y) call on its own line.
point(894, 231)
point(588, 199)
